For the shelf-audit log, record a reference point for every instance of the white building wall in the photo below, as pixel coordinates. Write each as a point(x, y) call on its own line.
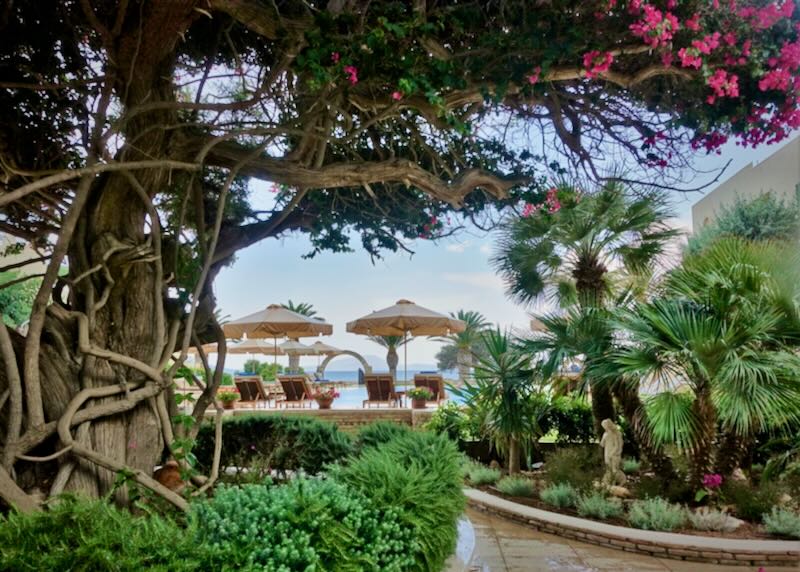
point(778, 173)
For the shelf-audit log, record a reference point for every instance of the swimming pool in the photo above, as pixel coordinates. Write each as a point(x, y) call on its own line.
point(352, 397)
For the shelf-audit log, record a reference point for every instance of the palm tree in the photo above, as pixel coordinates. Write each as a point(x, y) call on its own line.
point(503, 394)
point(566, 252)
point(392, 344)
point(466, 341)
point(302, 308)
point(726, 329)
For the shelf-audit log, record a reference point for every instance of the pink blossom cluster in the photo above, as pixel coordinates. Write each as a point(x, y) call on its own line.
point(655, 28)
point(596, 62)
point(352, 74)
point(769, 15)
point(711, 141)
point(723, 84)
point(712, 481)
point(551, 202)
point(535, 76)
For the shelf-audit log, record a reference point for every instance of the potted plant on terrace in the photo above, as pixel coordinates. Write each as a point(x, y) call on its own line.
point(228, 397)
point(419, 396)
point(325, 397)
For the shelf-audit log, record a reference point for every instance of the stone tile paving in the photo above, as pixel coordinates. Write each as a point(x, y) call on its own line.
point(504, 546)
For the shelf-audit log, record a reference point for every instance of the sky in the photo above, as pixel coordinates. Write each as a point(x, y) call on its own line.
point(445, 276)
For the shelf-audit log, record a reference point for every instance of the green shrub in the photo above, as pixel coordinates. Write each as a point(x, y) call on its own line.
point(561, 495)
point(631, 466)
point(450, 419)
point(656, 514)
point(674, 490)
point(379, 433)
point(516, 487)
point(80, 535)
point(578, 466)
point(262, 443)
point(596, 505)
point(782, 522)
point(303, 525)
point(482, 475)
point(710, 519)
point(419, 475)
point(751, 503)
point(572, 418)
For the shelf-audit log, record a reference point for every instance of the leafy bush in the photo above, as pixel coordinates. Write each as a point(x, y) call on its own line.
point(516, 486)
point(303, 525)
point(578, 466)
point(596, 505)
point(674, 490)
point(450, 419)
point(379, 433)
point(561, 495)
point(82, 535)
point(751, 503)
point(419, 475)
point(261, 443)
point(572, 419)
point(656, 514)
point(631, 465)
point(782, 522)
point(482, 475)
point(709, 519)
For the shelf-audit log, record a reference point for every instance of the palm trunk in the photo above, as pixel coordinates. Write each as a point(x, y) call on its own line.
point(702, 451)
point(602, 406)
point(513, 456)
point(634, 412)
point(464, 364)
point(730, 452)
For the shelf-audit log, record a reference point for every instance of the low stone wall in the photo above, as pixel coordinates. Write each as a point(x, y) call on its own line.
point(350, 419)
point(736, 552)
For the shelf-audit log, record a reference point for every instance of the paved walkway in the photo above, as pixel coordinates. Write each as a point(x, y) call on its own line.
point(504, 546)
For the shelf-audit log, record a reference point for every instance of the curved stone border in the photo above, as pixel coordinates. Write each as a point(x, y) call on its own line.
point(736, 552)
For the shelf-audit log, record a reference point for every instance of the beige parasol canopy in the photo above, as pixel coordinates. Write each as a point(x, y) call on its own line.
point(276, 322)
point(323, 348)
point(249, 346)
point(405, 317)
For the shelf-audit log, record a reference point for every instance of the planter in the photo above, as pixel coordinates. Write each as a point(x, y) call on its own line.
point(229, 405)
point(324, 403)
point(418, 403)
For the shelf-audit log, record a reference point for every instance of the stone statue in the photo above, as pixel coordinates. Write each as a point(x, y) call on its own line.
point(612, 454)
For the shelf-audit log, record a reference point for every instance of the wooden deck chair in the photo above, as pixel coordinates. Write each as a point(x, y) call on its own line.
point(252, 390)
point(297, 391)
point(435, 383)
point(380, 391)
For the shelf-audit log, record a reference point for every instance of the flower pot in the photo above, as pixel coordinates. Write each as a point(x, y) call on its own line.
point(228, 404)
point(324, 403)
point(418, 404)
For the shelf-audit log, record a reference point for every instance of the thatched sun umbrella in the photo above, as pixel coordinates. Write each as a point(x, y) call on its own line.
point(403, 319)
point(275, 322)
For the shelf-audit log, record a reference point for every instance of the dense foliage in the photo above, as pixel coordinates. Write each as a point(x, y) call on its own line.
point(264, 443)
point(16, 299)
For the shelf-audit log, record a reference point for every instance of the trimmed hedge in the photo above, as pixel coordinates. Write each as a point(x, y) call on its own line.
point(273, 442)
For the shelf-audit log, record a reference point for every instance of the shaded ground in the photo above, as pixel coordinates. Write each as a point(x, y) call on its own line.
point(503, 546)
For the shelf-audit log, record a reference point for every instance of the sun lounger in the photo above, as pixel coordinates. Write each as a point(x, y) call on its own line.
point(380, 391)
point(252, 390)
point(435, 383)
point(297, 390)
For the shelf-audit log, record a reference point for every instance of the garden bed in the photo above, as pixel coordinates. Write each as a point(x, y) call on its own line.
point(746, 530)
point(729, 551)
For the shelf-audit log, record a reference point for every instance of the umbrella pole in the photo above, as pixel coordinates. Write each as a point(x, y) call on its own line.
point(405, 356)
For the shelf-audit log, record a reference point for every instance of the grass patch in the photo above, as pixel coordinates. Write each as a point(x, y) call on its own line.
point(480, 475)
point(562, 495)
point(516, 486)
point(596, 505)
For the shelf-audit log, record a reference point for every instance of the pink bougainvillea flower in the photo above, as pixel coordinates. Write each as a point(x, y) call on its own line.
point(596, 62)
point(712, 481)
point(693, 23)
point(335, 57)
point(397, 96)
point(690, 58)
point(534, 77)
point(352, 74)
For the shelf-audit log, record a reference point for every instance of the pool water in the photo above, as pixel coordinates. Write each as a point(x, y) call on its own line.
point(352, 397)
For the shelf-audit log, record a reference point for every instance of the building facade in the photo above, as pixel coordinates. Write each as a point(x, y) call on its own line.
point(779, 173)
